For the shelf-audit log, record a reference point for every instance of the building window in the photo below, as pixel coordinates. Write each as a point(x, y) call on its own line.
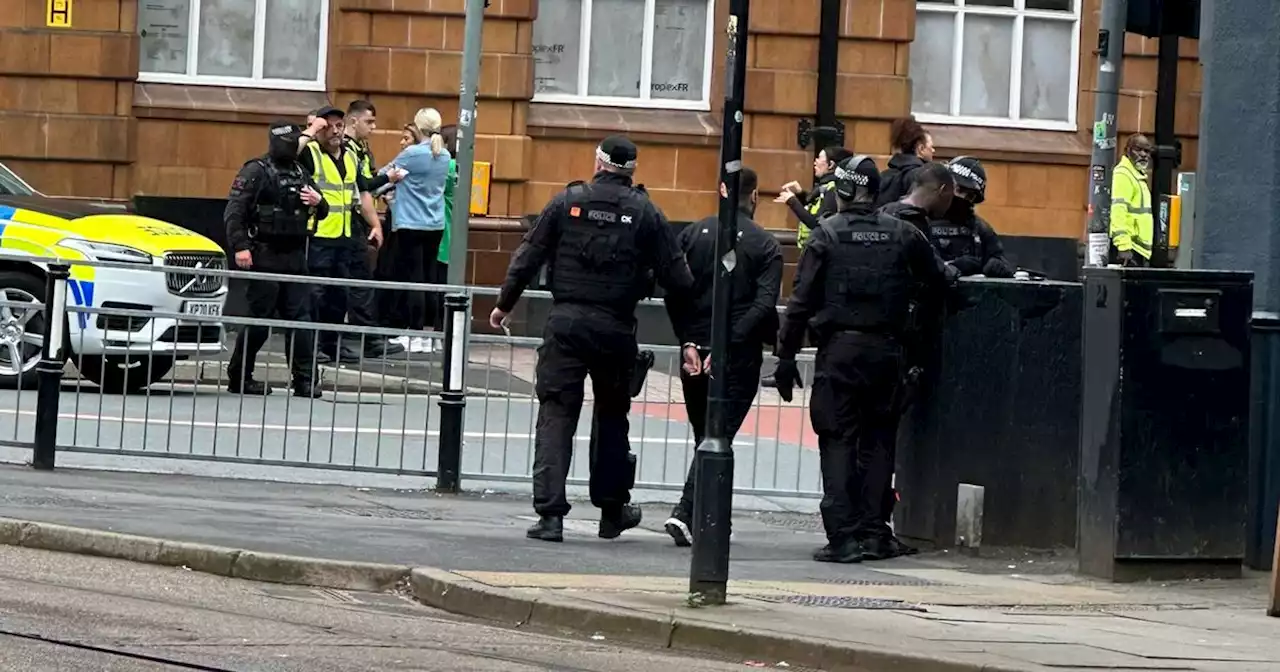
point(996, 62)
point(224, 42)
point(591, 52)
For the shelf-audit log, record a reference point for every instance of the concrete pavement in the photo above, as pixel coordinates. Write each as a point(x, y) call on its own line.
point(69, 613)
point(932, 612)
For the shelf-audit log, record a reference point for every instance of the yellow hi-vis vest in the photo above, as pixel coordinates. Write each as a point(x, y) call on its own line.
point(815, 209)
point(339, 191)
point(1132, 224)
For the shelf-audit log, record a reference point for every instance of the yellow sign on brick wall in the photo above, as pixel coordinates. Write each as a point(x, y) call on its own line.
point(481, 174)
point(59, 14)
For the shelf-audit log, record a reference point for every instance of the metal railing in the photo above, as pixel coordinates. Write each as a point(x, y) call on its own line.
point(152, 382)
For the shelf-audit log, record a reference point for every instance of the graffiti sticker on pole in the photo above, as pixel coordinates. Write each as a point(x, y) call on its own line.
point(59, 14)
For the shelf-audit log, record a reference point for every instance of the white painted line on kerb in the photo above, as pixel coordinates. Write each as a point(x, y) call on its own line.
point(323, 428)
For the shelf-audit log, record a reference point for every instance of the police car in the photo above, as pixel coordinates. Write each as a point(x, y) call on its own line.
point(120, 354)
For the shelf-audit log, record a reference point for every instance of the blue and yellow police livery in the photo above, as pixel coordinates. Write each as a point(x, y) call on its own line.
point(118, 353)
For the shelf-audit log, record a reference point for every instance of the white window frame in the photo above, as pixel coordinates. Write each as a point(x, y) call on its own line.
point(1019, 13)
point(255, 81)
point(646, 69)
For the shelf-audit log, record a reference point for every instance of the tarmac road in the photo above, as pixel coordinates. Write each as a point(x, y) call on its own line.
point(387, 432)
point(70, 613)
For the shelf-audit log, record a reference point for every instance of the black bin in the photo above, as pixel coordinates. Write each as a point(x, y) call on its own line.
point(1264, 442)
point(1164, 444)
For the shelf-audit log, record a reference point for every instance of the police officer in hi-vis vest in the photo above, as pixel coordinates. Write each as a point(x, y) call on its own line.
point(339, 248)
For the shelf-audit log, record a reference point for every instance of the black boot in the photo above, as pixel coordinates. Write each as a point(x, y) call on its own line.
point(614, 523)
point(879, 548)
point(845, 552)
point(248, 386)
point(306, 390)
point(548, 528)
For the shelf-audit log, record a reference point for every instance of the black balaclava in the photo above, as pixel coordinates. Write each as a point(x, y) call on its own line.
point(282, 143)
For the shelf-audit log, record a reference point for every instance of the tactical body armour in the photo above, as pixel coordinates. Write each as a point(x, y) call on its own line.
point(868, 284)
point(954, 241)
point(598, 258)
point(286, 216)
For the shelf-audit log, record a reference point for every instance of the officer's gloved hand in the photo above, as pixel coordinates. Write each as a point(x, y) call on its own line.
point(967, 265)
point(953, 273)
point(997, 267)
point(785, 377)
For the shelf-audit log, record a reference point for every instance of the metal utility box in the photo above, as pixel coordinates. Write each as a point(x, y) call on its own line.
point(1164, 427)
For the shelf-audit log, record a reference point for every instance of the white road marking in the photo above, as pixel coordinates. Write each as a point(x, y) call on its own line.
point(326, 429)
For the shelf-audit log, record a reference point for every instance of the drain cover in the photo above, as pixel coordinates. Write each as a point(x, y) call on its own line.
point(797, 521)
point(838, 602)
point(889, 580)
point(383, 512)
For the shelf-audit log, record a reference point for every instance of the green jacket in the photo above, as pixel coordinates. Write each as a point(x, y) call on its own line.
point(450, 183)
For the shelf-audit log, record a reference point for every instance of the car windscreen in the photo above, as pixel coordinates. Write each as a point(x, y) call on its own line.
point(12, 185)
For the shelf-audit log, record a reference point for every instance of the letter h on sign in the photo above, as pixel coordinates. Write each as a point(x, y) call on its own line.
point(59, 14)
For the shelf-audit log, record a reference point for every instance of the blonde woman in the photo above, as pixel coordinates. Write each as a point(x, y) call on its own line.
point(418, 215)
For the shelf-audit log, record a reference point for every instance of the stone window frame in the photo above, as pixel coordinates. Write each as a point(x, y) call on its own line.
point(256, 81)
point(646, 69)
point(959, 9)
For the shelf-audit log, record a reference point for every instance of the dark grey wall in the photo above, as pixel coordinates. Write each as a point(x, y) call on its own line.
point(1238, 196)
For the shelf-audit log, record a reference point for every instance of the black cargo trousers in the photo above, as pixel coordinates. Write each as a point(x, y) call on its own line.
point(854, 411)
point(276, 300)
point(581, 341)
point(743, 368)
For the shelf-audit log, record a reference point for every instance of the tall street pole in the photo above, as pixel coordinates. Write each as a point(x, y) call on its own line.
point(713, 489)
point(1107, 100)
point(472, 36)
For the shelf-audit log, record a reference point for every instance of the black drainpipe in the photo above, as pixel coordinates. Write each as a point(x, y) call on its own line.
point(825, 130)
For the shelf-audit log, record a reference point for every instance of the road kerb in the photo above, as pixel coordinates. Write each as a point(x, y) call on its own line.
point(460, 595)
point(219, 560)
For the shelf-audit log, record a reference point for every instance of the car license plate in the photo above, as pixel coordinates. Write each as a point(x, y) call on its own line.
point(203, 308)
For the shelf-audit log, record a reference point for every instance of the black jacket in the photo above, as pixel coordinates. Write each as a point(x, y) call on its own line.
point(808, 296)
point(757, 282)
point(250, 189)
point(971, 245)
point(910, 214)
point(540, 243)
point(896, 180)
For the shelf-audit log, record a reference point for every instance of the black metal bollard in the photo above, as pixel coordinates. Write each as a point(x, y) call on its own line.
point(453, 398)
point(49, 370)
point(713, 461)
point(712, 513)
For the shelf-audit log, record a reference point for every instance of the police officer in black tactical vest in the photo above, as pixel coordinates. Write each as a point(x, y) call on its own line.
point(600, 241)
point(269, 219)
point(962, 237)
point(854, 283)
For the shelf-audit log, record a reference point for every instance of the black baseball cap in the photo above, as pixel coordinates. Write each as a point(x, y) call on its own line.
point(618, 151)
point(328, 111)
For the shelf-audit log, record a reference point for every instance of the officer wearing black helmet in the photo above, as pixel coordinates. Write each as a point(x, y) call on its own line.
point(269, 216)
point(854, 284)
point(600, 240)
point(962, 237)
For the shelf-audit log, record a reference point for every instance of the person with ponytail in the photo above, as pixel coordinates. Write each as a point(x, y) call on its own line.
point(913, 147)
point(418, 216)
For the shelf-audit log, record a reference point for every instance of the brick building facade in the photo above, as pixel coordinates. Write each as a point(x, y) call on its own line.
point(109, 108)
